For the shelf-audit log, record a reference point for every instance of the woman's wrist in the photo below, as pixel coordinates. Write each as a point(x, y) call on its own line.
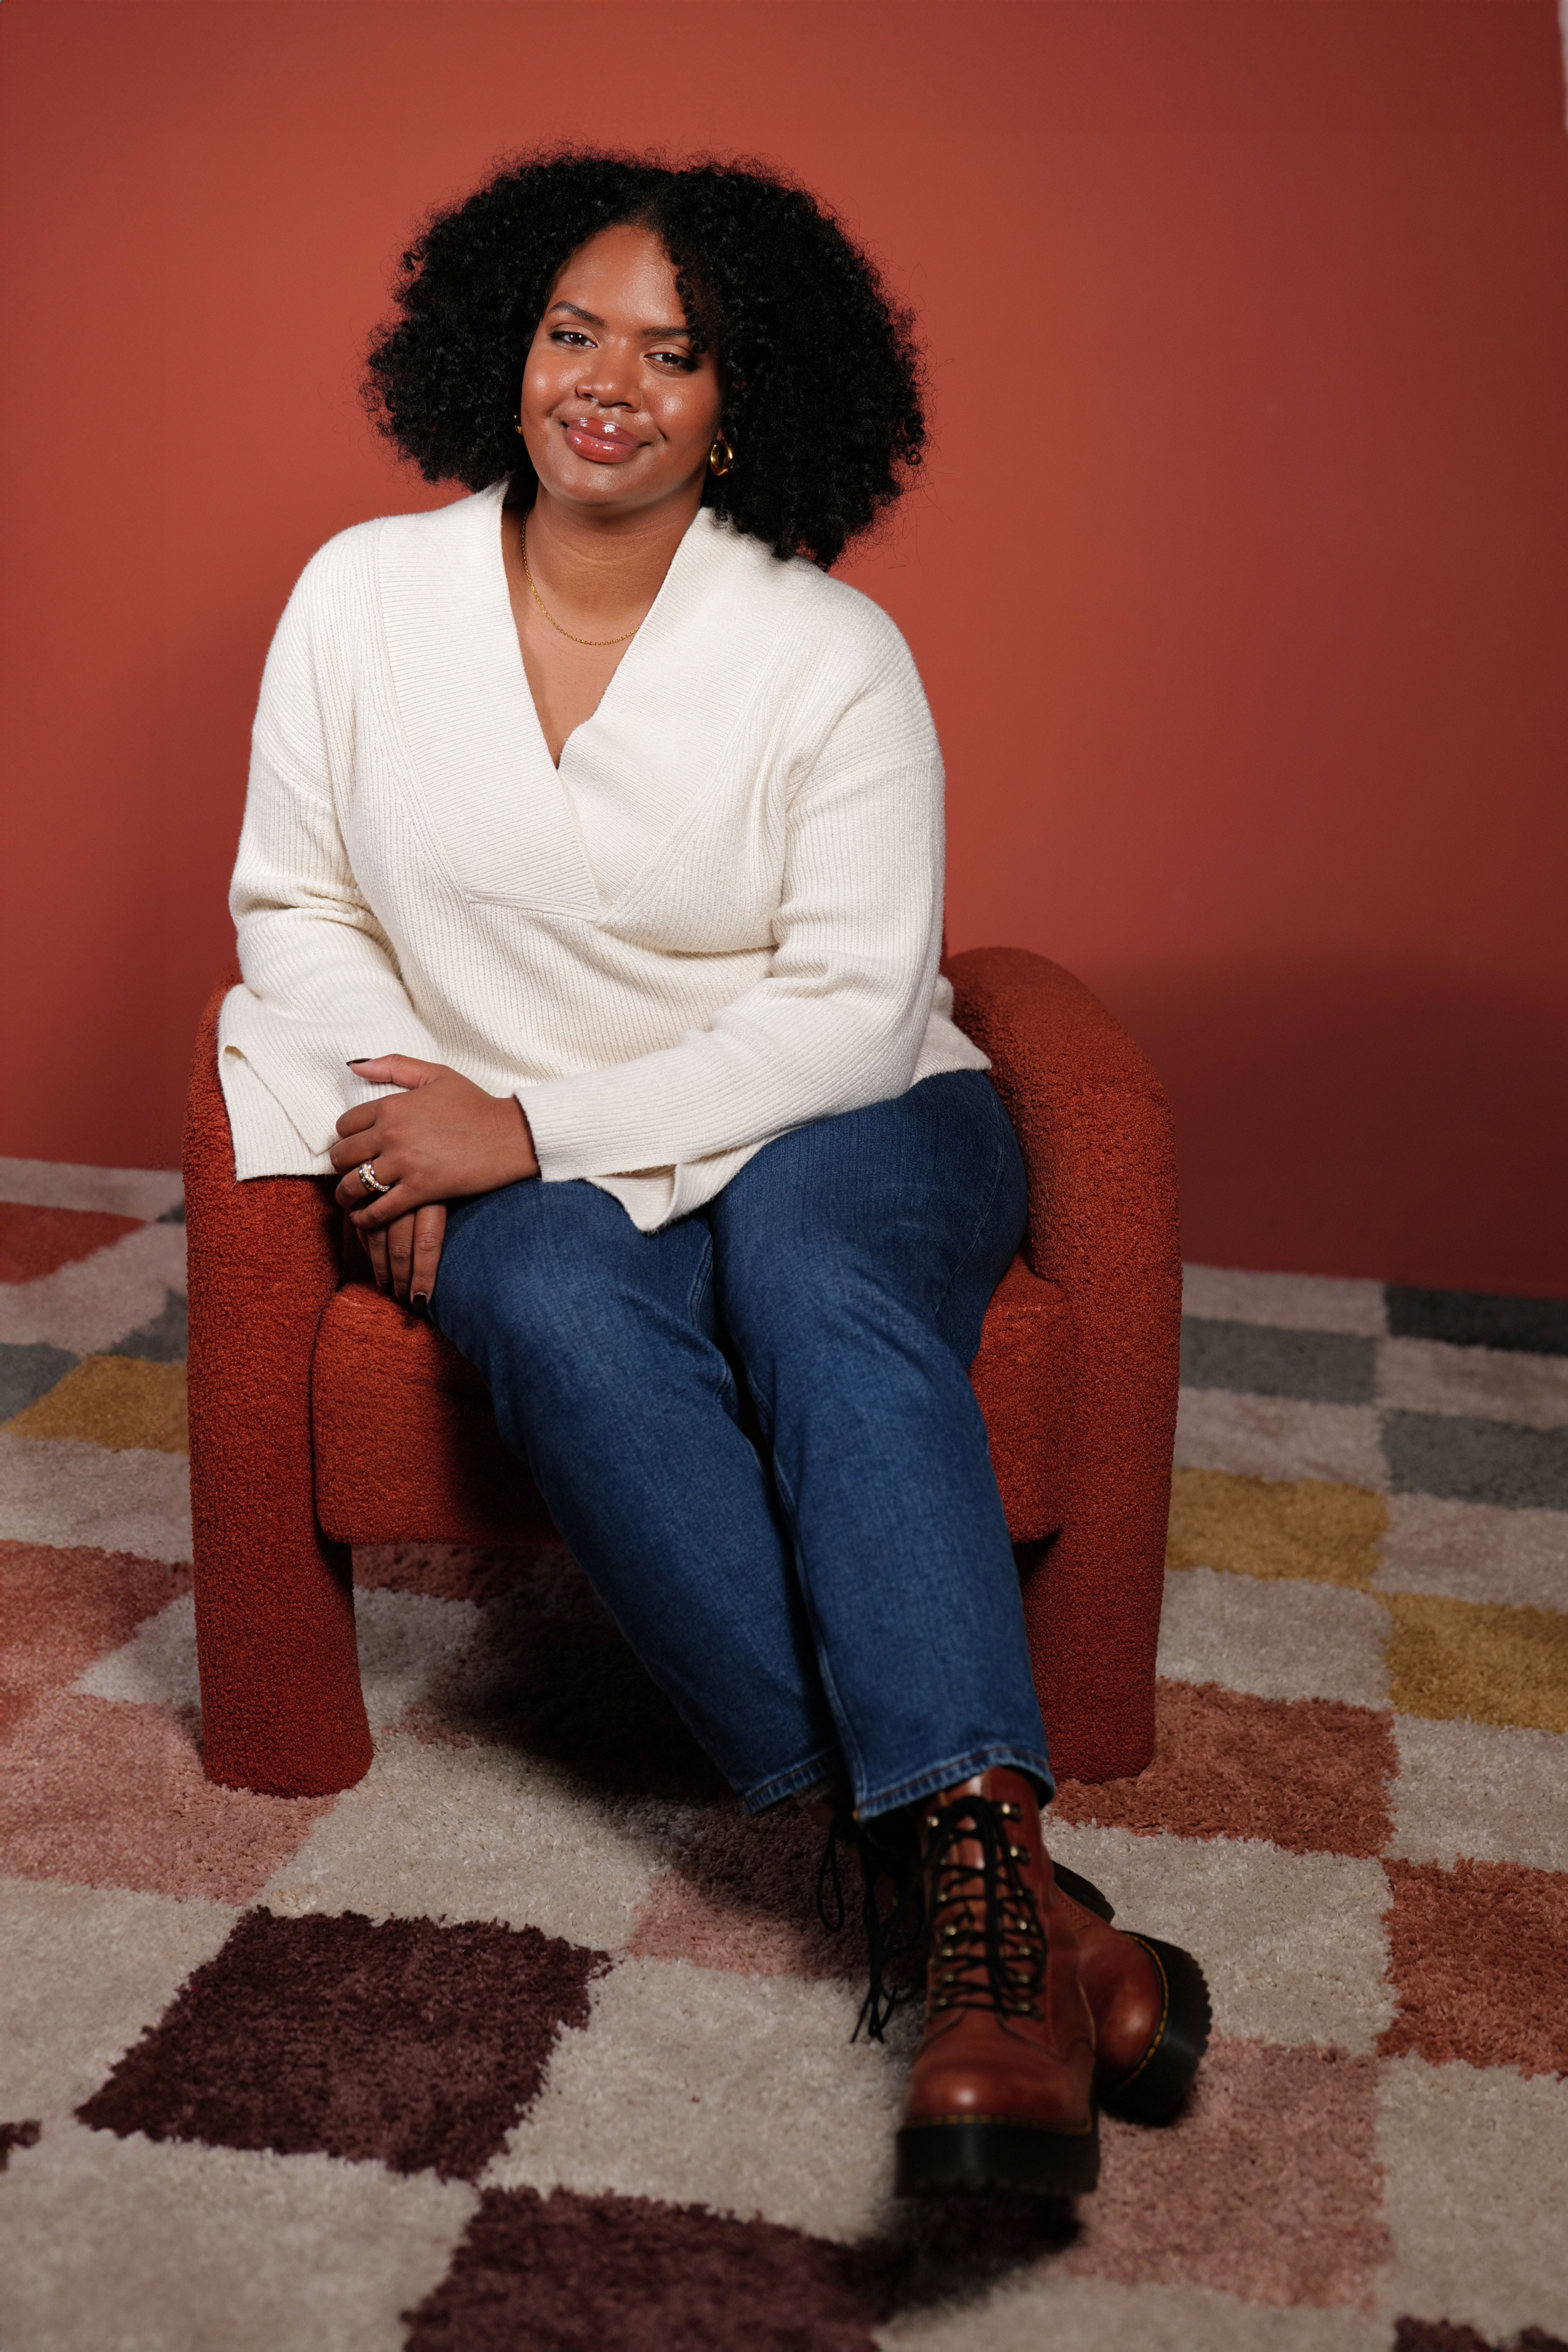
point(528, 1156)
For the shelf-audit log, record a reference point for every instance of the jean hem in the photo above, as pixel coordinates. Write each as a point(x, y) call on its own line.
point(823, 1766)
point(1031, 1760)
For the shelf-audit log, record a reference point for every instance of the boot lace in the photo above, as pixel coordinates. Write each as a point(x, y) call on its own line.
point(987, 1940)
point(894, 1935)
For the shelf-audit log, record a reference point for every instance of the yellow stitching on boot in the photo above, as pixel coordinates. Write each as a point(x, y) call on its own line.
point(1164, 2018)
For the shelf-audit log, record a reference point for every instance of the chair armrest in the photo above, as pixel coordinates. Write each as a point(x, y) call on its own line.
point(1088, 1111)
point(272, 1243)
point(1096, 1137)
point(275, 1633)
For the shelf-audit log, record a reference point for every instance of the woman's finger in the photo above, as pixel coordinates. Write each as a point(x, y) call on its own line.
point(429, 1232)
point(375, 1250)
point(400, 1252)
point(383, 1209)
point(354, 1195)
point(397, 1070)
point(352, 1151)
point(362, 1115)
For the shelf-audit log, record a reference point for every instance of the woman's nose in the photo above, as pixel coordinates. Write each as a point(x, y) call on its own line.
point(610, 378)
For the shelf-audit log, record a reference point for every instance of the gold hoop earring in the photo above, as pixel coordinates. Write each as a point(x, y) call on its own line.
point(518, 427)
point(720, 442)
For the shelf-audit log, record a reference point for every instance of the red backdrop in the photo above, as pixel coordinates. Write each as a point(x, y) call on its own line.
point(1237, 578)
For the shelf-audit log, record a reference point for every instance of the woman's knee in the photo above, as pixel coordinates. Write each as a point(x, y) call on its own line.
point(812, 1303)
point(547, 1275)
point(504, 1266)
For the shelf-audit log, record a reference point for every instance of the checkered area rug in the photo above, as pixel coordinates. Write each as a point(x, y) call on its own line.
point(531, 2041)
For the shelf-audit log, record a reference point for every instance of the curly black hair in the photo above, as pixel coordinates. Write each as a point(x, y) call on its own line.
point(821, 374)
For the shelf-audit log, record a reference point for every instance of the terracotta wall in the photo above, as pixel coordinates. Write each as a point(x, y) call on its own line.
point(1237, 577)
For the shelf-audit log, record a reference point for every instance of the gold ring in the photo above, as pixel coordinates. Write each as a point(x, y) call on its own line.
point(367, 1176)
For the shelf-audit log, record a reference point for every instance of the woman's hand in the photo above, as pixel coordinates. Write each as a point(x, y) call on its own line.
point(441, 1138)
point(404, 1254)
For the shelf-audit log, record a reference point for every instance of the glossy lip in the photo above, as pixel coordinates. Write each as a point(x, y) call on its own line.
point(600, 446)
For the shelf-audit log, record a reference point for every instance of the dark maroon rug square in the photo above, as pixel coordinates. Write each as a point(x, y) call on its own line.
point(570, 2273)
point(410, 2042)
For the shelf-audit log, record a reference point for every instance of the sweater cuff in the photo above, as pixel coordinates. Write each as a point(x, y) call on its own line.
point(266, 1140)
point(568, 1119)
point(304, 1065)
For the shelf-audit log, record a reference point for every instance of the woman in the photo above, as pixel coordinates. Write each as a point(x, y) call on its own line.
point(589, 908)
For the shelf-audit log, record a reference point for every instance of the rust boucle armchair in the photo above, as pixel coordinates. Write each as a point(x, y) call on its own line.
point(323, 1416)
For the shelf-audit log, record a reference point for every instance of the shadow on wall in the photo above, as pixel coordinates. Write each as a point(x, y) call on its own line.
point(1446, 1092)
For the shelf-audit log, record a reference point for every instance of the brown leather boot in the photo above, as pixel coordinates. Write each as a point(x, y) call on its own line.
point(1150, 2004)
point(1002, 2094)
point(1148, 1998)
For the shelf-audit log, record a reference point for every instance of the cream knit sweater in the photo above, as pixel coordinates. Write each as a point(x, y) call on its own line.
point(720, 920)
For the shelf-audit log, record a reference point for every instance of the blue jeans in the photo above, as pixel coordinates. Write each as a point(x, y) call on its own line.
point(844, 1598)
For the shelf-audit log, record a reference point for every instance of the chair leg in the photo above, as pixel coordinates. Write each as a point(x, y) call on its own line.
point(282, 1711)
point(281, 1706)
point(1092, 1637)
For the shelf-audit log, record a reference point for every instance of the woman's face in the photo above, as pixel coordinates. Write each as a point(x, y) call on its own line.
point(615, 410)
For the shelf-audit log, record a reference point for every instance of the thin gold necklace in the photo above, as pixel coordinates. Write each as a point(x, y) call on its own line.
point(551, 617)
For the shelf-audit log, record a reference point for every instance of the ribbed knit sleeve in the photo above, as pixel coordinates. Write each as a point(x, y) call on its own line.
point(841, 1017)
point(321, 980)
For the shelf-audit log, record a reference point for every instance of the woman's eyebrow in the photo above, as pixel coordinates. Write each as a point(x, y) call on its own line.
point(591, 319)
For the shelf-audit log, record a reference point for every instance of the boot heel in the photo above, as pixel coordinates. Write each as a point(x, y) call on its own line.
point(1162, 2077)
point(943, 2158)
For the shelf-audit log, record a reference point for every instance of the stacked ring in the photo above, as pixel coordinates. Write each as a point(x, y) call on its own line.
point(367, 1176)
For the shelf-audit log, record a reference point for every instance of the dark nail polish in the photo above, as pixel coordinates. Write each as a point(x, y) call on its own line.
point(420, 1302)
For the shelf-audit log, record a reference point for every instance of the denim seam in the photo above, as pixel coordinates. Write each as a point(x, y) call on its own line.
point(724, 1388)
point(778, 1785)
point(848, 1743)
point(700, 1280)
point(962, 1768)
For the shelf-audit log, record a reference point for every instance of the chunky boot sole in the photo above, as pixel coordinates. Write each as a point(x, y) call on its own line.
point(943, 2158)
point(1163, 2075)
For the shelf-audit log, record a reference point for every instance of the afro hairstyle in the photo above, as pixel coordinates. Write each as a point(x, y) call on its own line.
point(821, 375)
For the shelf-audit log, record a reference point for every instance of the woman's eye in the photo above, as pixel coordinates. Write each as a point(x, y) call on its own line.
point(566, 335)
point(674, 359)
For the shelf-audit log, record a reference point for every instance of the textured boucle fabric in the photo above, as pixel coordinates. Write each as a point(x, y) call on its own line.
point(274, 1619)
point(720, 917)
point(407, 1444)
point(1097, 1138)
point(1023, 1377)
point(374, 1431)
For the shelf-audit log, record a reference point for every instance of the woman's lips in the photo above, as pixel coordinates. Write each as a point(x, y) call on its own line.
point(603, 447)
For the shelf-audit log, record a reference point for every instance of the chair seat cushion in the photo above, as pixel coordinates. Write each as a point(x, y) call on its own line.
point(407, 1448)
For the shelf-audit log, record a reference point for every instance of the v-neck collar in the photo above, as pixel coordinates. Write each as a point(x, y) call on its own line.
point(504, 811)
